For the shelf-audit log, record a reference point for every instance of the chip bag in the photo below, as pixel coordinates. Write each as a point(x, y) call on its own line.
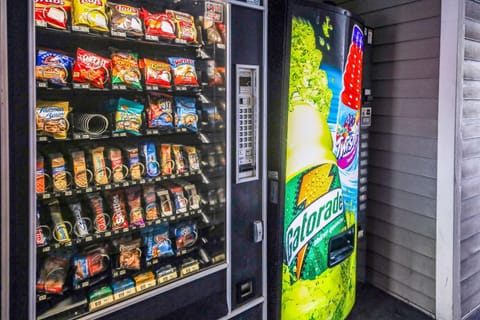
point(160, 111)
point(52, 13)
point(186, 113)
point(184, 73)
point(128, 117)
point(125, 18)
point(125, 70)
point(161, 25)
point(156, 73)
point(53, 274)
point(91, 68)
point(90, 13)
point(53, 67)
point(157, 243)
point(185, 26)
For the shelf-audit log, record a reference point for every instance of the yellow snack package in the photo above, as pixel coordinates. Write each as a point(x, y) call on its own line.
point(90, 13)
point(51, 118)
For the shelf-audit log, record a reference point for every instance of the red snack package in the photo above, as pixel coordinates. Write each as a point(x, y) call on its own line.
point(185, 26)
point(118, 209)
point(159, 24)
point(91, 68)
point(135, 205)
point(52, 13)
point(53, 274)
point(156, 73)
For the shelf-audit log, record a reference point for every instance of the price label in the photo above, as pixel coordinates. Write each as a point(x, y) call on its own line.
point(88, 190)
point(101, 303)
point(190, 269)
point(126, 229)
point(108, 187)
point(119, 34)
point(218, 258)
point(125, 184)
point(41, 23)
point(181, 41)
point(146, 285)
point(151, 38)
point(142, 181)
point(42, 297)
point(81, 86)
point(85, 284)
point(152, 88)
point(46, 249)
point(42, 139)
point(125, 293)
point(108, 234)
point(119, 87)
point(46, 196)
point(42, 84)
point(88, 239)
point(68, 193)
point(220, 46)
point(167, 277)
point(80, 29)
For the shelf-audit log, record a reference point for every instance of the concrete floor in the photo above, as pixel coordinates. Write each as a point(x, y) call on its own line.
point(374, 304)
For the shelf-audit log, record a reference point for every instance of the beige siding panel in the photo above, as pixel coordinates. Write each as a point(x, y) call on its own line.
point(415, 146)
point(403, 163)
point(406, 69)
point(422, 186)
point(416, 30)
point(405, 126)
point(420, 108)
point(409, 50)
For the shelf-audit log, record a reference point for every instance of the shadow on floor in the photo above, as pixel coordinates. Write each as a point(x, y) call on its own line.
point(374, 304)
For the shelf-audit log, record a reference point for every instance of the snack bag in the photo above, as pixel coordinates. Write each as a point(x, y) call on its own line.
point(186, 113)
point(117, 205)
point(156, 73)
point(128, 117)
point(129, 254)
point(160, 111)
point(192, 156)
point(52, 13)
point(41, 238)
point(90, 263)
point(53, 67)
point(135, 167)
point(101, 173)
point(165, 202)
point(125, 18)
point(80, 171)
point(80, 227)
point(180, 163)
point(166, 158)
point(53, 274)
point(51, 118)
point(40, 181)
point(161, 25)
point(125, 70)
point(178, 197)
point(90, 13)
point(60, 178)
point(186, 234)
point(185, 26)
point(150, 200)
point(135, 206)
point(60, 231)
point(119, 170)
point(184, 73)
point(157, 243)
point(214, 118)
point(91, 68)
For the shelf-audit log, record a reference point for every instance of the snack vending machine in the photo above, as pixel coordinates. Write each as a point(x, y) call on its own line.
point(315, 76)
point(122, 151)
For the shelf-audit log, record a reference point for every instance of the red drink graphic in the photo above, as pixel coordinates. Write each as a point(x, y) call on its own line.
point(352, 77)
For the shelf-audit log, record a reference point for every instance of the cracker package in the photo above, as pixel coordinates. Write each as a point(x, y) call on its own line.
point(53, 67)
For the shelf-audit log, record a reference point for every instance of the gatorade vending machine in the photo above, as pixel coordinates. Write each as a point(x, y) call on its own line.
point(315, 98)
point(127, 198)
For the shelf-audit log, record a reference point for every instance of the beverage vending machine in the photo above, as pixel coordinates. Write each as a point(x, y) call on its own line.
point(136, 137)
point(316, 56)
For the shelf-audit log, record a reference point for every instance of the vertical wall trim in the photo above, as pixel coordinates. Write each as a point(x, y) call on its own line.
point(447, 295)
point(264, 160)
point(4, 172)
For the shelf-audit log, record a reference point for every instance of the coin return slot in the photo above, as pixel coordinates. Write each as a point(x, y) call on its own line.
point(245, 291)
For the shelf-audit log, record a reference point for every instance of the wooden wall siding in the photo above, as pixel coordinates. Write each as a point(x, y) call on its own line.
point(469, 153)
point(403, 146)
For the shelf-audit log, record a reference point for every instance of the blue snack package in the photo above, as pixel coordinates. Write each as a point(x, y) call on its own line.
point(148, 152)
point(186, 113)
point(157, 243)
point(186, 234)
point(53, 67)
point(128, 117)
point(160, 111)
point(122, 285)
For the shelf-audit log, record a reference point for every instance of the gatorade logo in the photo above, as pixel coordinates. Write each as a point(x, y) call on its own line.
point(311, 221)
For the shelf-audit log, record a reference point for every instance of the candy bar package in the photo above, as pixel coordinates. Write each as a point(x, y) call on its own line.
point(148, 154)
point(192, 156)
point(178, 197)
point(166, 158)
point(82, 224)
point(180, 161)
point(186, 113)
point(128, 116)
point(53, 273)
point(160, 111)
point(42, 232)
point(125, 19)
point(152, 210)
point(191, 192)
point(81, 176)
point(135, 209)
point(91, 68)
point(115, 159)
point(60, 178)
point(90, 263)
point(53, 67)
point(117, 205)
point(101, 220)
point(101, 173)
point(129, 254)
point(166, 206)
point(184, 73)
point(157, 243)
point(136, 168)
point(125, 70)
point(52, 13)
point(156, 73)
point(161, 25)
point(91, 14)
point(40, 181)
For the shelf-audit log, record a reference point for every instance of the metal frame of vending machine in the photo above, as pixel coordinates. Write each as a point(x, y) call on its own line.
point(241, 290)
point(4, 172)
